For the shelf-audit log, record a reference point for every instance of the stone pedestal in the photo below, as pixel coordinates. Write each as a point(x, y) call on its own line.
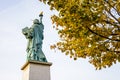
point(36, 70)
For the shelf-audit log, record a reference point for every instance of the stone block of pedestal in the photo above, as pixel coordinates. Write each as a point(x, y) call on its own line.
point(36, 70)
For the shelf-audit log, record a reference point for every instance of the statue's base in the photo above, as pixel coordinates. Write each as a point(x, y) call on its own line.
point(36, 70)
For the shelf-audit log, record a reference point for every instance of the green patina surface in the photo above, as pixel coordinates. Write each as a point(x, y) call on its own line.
point(35, 37)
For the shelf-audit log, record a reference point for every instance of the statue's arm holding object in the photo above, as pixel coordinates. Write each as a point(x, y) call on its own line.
point(28, 32)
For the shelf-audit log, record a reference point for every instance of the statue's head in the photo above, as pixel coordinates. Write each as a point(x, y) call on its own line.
point(36, 21)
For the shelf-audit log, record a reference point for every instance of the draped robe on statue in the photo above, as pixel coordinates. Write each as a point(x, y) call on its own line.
point(35, 37)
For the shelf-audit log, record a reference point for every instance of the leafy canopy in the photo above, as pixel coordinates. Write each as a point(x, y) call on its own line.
point(88, 29)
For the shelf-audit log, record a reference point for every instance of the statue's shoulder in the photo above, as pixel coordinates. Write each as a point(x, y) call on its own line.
point(34, 25)
point(41, 24)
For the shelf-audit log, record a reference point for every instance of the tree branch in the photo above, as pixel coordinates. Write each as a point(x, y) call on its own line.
point(113, 7)
point(111, 50)
point(111, 13)
point(114, 24)
point(102, 35)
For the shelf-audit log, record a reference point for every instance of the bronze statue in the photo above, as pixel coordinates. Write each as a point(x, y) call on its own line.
point(35, 37)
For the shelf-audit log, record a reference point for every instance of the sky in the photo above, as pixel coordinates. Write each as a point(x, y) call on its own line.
point(17, 14)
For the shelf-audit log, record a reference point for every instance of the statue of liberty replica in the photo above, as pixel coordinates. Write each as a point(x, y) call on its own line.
point(35, 37)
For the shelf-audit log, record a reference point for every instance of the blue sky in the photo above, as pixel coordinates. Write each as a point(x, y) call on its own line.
point(18, 14)
point(8, 3)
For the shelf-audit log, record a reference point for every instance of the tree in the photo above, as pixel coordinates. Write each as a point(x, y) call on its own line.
point(88, 29)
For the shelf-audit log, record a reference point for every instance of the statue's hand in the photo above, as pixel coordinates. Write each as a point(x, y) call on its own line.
point(25, 31)
point(28, 32)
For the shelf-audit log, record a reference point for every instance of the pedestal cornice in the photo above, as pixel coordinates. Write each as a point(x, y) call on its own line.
point(36, 62)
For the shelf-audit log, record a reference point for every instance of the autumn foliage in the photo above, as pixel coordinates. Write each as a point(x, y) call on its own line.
point(88, 29)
